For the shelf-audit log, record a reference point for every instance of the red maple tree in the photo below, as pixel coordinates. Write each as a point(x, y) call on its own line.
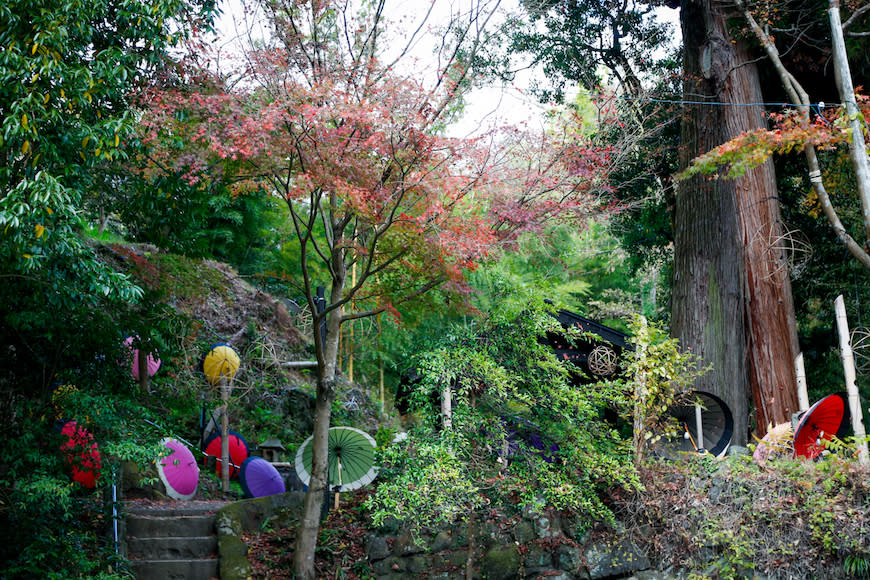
point(356, 151)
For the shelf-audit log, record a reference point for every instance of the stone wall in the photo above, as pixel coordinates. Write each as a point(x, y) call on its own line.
point(526, 545)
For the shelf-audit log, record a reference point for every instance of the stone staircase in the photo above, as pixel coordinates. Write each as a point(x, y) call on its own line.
point(174, 541)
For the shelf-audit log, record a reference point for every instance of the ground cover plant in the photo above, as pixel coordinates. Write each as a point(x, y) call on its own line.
point(781, 519)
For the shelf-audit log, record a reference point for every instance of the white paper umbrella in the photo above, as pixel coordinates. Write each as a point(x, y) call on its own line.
point(351, 459)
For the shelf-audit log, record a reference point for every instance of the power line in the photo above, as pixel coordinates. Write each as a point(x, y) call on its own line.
point(677, 101)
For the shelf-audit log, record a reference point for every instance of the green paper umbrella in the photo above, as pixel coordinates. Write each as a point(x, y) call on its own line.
point(351, 459)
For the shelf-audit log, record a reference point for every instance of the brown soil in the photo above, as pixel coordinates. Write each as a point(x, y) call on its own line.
point(340, 545)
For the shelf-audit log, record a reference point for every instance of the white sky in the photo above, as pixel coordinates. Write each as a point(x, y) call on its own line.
point(490, 106)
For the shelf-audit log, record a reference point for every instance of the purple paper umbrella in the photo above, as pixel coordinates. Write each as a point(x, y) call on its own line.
point(259, 478)
point(178, 471)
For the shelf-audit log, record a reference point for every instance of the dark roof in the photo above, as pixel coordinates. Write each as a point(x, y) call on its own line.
point(615, 337)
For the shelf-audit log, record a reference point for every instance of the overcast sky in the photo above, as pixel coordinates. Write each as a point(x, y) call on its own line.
point(490, 106)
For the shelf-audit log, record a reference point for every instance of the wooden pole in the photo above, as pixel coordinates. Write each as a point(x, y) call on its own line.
point(857, 147)
point(699, 428)
point(640, 403)
point(801, 374)
point(142, 367)
point(446, 408)
point(338, 493)
point(350, 345)
point(851, 387)
point(380, 364)
point(225, 433)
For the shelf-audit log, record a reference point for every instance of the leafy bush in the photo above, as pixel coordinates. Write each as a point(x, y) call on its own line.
point(519, 432)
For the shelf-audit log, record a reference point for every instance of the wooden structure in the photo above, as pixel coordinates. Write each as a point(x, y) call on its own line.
point(599, 358)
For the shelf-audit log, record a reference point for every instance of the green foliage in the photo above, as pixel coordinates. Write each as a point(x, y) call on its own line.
point(61, 527)
point(212, 218)
point(67, 72)
point(567, 38)
point(857, 565)
point(520, 432)
point(659, 371)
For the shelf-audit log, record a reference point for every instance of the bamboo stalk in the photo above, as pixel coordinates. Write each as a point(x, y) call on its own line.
point(851, 388)
point(801, 374)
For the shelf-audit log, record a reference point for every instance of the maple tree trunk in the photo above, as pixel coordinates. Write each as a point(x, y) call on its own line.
point(327, 347)
point(731, 302)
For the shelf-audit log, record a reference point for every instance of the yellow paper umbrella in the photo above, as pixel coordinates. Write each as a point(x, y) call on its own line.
point(221, 360)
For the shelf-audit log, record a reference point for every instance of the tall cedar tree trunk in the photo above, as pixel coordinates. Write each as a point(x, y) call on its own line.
point(327, 359)
point(731, 300)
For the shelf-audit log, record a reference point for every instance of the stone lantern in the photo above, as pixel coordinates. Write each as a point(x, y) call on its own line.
point(272, 450)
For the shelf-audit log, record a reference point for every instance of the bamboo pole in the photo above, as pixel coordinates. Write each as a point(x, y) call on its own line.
point(857, 147)
point(801, 374)
point(851, 387)
point(699, 429)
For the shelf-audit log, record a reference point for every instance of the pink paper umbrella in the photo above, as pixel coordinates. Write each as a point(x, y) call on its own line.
point(152, 363)
point(178, 471)
point(259, 478)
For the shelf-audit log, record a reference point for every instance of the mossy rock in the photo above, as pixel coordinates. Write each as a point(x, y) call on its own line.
point(501, 563)
point(234, 563)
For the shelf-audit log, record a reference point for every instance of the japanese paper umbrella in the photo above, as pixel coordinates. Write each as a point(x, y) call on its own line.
point(178, 471)
point(351, 459)
point(80, 454)
point(717, 424)
point(260, 478)
point(221, 360)
point(238, 451)
point(828, 418)
point(153, 364)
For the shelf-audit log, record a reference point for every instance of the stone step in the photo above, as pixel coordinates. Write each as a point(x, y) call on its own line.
point(162, 526)
point(204, 569)
point(176, 510)
point(172, 548)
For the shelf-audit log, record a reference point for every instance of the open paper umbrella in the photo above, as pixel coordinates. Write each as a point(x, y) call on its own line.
point(178, 471)
point(260, 478)
point(716, 425)
point(828, 418)
point(351, 459)
point(238, 451)
point(522, 436)
point(81, 454)
point(777, 442)
point(153, 364)
point(221, 360)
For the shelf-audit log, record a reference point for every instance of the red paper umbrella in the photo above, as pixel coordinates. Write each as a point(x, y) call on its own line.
point(827, 418)
point(80, 454)
point(238, 451)
point(153, 364)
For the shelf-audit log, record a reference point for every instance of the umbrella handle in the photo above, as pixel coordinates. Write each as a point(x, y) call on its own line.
point(689, 433)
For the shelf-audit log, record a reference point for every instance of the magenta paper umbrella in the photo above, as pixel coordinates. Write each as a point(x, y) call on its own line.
point(260, 478)
point(178, 471)
point(153, 363)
